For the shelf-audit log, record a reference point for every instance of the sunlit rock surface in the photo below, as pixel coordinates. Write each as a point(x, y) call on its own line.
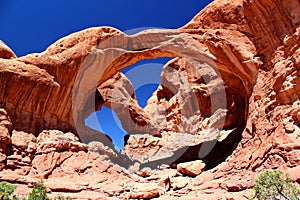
point(228, 99)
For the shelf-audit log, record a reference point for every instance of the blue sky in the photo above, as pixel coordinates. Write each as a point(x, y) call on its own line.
point(31, 26)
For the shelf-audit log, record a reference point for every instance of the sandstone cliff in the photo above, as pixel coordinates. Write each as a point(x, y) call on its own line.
point(227, 107)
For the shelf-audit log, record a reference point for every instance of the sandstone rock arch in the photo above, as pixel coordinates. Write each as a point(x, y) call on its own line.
point(120, 51)
point(54, 72)
point(255, 45)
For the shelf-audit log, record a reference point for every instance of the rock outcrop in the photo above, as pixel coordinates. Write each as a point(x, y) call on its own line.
point(227, 107)
point(5, 51)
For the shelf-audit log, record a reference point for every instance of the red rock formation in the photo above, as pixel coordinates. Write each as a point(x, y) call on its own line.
point(245, 50)
point(5, 140)
point(5, 51)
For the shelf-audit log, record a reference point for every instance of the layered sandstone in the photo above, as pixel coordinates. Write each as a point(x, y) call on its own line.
point(228, 103)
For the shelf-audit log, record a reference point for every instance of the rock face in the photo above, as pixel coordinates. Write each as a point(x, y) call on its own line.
point(228, 100)
point(5, 51)
point(5, 140)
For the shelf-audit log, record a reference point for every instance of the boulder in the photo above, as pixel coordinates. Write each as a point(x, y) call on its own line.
point(192, 168)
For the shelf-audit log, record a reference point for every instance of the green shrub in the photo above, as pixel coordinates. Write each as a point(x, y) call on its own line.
point(270, 186)
point(61, 197)
point(39, 192)
point(6, 190)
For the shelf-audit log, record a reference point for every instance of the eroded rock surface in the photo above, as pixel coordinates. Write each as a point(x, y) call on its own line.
point(5, 51)
point(245, 51)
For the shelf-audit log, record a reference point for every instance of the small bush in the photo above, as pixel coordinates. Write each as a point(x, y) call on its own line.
point(270, 186)
point(39, 192)
point(61, 197)
point(6, 190)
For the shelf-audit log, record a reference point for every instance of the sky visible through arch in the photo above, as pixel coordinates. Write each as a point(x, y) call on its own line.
point(31, 26)
point(145, 78)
